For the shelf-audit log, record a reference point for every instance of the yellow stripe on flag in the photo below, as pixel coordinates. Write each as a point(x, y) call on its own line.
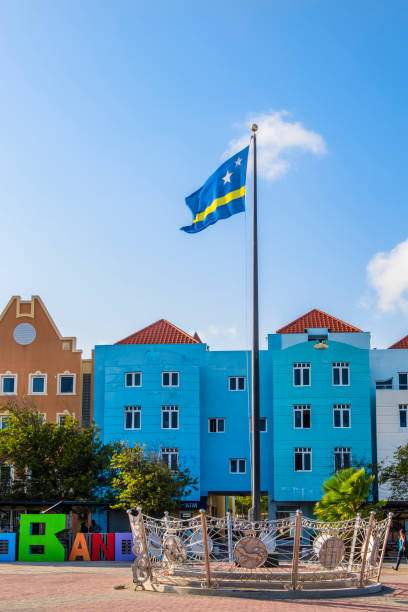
point(232, 195)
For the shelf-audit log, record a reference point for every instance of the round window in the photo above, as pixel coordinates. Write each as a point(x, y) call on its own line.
point(24, 333)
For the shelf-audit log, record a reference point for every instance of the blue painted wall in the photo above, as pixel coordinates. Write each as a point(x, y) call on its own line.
point(111, 396)
point(204, 393)
point(322, 437)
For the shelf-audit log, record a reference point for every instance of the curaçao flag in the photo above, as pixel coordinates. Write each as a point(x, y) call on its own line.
point(221, 196)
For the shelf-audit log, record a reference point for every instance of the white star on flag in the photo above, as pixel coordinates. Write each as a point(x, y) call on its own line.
point(238, 162)
point(227, 177)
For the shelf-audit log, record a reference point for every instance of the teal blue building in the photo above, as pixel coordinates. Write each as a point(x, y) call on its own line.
point(190, 405)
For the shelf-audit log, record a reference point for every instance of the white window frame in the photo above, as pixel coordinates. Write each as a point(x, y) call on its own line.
point(8, 374)
point(64, 414)
point(403, 408)
point(303, 450)
point(6, 416)
point(236, 383)
point(342, 408)
point(170, 373)
point(133, 410)
point(66, 373)
point(302, 366)
point(170, 409)
point(341, 365)
point(342, 450)
point(404, 387)
point(132, 386)
point(301, 408)
point(237, 459)
point(30, 383)
point(217, 420)
point(170, 452)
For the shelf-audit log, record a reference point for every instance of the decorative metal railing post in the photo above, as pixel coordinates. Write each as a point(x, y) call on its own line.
point(144, 543)
point(229, 535)
point(365, 549)
point(296, 549)
point(387, 533)
point(353, 543)
point(205, 545)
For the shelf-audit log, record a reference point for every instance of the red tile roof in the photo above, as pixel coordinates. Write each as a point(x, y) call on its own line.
point(317, 319)
point(161, 332)
point(401, 344)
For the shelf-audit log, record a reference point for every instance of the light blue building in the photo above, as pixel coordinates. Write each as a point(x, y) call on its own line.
point(167, 390)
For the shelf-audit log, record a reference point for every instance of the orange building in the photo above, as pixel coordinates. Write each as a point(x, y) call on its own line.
point(37, 363)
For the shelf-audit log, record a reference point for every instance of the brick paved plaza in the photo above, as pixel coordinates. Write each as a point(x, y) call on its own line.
point(68, 587)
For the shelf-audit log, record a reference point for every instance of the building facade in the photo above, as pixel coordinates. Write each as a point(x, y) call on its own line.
point(39, 365)
point(165, 389)
point(389, 383)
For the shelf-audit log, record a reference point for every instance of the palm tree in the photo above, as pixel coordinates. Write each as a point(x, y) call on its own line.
point(345, 495)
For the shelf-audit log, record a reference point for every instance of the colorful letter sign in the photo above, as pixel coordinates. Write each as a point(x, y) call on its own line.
point(47, 546)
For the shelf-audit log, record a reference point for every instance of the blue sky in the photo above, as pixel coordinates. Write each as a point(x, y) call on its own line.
point(112, 112)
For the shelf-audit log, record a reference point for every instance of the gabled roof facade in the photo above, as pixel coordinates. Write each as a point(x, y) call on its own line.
point(161, 332)
point(317, 319)
point(401, 344)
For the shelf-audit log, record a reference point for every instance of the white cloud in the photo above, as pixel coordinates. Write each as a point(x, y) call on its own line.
point(388, 274)
point(277, 139)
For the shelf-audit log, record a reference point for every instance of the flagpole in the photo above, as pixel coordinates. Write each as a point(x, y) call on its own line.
point(256, 455)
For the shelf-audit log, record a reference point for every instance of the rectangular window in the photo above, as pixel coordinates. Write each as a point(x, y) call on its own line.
point(383, 384)
point(236, 383)
point(132, 417)
point(263, 424)
point(341, 415)
point(133, 379)
point(169, 457)
point(6, 476)
point(9, 384)
point(237, 466)
point(61, 419)
point(303, 459)
point(170, 379)
point(341, 373)
point(403, 381)
point(170, 417)
point(38, 384)
point(216, 425)
point(66, 384)
point(301, 374)
point(4, 419)
point(302, 414)
point(342, 458)
point(403, 415)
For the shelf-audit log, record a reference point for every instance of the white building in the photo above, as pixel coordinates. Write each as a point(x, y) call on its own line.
point(389, 370)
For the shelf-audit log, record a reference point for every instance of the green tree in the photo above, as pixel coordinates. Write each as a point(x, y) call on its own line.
point(244, 504)
point(395, 475)
point(143, 480)
point(50, 461)
point(346, 494)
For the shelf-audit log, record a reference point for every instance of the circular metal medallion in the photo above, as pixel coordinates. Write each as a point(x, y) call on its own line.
point(332, 552)
point(174, 550)
point(250, 553)
point(24, 334)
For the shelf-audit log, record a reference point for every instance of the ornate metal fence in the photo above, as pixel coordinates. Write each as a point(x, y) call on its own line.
point(291, 553)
